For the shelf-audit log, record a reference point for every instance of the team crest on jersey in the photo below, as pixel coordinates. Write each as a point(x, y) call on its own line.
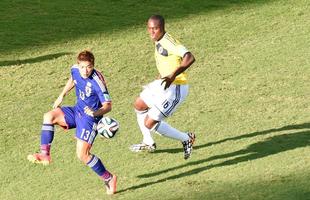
point(161, 50)
point(88, 89)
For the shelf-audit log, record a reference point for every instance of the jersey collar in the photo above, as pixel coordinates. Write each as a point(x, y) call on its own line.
point(161, 38)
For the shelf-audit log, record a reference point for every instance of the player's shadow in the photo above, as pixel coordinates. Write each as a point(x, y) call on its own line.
point(33, 60)
point(239, 137)
point(270, 146)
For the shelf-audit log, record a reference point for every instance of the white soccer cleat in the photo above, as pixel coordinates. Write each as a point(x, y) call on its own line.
point(143, 147)
point(188, 145)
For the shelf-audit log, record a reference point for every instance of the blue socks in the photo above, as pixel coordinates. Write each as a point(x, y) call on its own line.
point(97, 166)
point(47, 136)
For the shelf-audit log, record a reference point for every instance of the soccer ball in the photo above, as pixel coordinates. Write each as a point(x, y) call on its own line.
point(107, 127)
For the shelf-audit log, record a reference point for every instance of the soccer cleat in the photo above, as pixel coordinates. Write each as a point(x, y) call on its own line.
point(143, 147)
point(188, 145)
point(39, 158)
point(111, 185)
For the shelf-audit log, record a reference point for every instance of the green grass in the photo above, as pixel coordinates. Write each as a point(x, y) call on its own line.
point(248, 101)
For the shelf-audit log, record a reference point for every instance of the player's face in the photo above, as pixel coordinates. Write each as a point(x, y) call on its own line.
point(154, 29)
point(85, 68)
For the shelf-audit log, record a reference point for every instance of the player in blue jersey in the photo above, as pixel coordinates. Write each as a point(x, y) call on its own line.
point(93, 101)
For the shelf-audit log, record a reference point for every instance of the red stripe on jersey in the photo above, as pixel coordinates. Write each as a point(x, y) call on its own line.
point(101, 77)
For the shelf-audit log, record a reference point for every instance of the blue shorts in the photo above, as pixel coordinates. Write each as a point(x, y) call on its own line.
point(84, 124)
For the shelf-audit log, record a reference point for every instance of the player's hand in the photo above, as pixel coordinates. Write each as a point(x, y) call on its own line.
point(58, 102)
point(88, 111)
point(167, 80)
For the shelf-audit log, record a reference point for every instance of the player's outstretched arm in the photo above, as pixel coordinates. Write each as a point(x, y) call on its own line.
point(69, 85)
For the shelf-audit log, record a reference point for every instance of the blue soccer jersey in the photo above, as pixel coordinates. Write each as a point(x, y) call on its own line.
point(90, 92)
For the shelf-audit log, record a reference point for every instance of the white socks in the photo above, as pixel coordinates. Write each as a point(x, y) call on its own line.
point(168, 131)
point(147, 138)
point(162, 128)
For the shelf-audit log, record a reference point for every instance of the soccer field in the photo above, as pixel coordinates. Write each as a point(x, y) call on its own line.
point(248, 102)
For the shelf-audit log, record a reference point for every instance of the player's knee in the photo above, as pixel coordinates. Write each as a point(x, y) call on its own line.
point(136, 105)
point(149, 123)
point(48, 117)
point(140, 105)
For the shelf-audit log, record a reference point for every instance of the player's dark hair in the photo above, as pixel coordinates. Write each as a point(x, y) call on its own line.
point(160, 19)
point(86, 56)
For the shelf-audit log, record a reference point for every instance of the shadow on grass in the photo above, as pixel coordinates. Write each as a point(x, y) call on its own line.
point(271, 146)
point(33, 60)
point(249, 135)
point(31, 23)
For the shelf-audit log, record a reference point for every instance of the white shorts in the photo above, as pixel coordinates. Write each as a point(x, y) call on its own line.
point(163, 103)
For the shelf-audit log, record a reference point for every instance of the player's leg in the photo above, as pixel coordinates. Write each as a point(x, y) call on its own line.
point(187, 139)
point(165, 129)
point(85, 134)
point(148, 143)
point(55, 116)
point(164, 109)
point(142, 105)
point(94, 162)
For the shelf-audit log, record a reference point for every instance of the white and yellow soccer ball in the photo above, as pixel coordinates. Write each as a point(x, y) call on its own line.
point(107, 127)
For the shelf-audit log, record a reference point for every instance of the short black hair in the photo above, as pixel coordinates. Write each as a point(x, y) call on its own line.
point(160, 19)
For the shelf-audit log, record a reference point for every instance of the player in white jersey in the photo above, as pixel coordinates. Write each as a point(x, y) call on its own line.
point(160, 98)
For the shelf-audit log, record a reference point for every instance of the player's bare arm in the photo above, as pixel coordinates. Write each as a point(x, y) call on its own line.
point(69, 85)
point(106, 107)
point(91, 93)
point(187, 61)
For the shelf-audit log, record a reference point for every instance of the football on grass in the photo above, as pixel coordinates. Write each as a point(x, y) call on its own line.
point(107, 127)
